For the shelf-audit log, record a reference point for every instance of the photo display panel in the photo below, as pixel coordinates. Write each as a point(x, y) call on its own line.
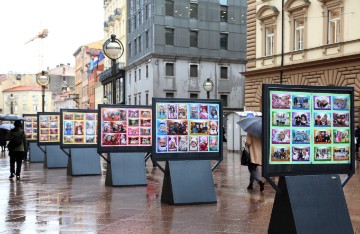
point(308, 130)
point(78, 128)
point(49, 128)
point(125, 128)
point(30, 127)
point(187, 129)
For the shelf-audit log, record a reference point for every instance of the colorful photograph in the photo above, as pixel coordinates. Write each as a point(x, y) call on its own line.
point(322, 103)
point(177, 127)
point(203, 111)
point(90, 127)
point(133, 122)
point(162, 128)
point(133, 140)
point(161, 143)
point(145, 141)
point(145, 114)
point(110, 139)
point(183, 143)
point(281, 118)
point(341, 136)
point(91, 139)
point(145, 131)
point(199, 127)
point(300, 136)
point(322, 153)
point(68, 139)
point(123, 115)
point(117, 126)
point(194, 111)
point(322, 136)
point(214, 128)
point(341, 119)
point(79, 116)
point(133, 113)
point(161, 111)
point(91, 116)
point(341, 153)
point(182, 111)
point(300, 153)
point(281, 101)
point(341, 102)
point(79, 127)
point(203, 143)
point(214, 110)
point(301, 119)
point(280, 153)
point(213, 143)
point(110, 114)
point(280, 136)
point(44, 118)
point(300, 102)
point(172, 111)
point(172, 143)
point(322, 119)
point(69, 116)
point(193, 143)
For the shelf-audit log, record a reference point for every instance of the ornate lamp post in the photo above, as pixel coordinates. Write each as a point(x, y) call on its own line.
point(43, 80)
point(114, 49)
point(11, 100)
point(208, 86)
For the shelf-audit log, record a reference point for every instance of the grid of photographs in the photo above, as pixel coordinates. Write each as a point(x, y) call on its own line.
point(49, 128)
point(309, 128)
point(30, 127)
point(79, 128)
point(187, 127)
point(126, 127)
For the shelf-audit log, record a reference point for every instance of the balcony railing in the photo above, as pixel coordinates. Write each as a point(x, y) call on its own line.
point(106, 25)
point(117, 13)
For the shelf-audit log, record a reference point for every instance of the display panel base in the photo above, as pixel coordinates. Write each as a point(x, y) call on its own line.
point(188, 182)
point(310, 204)
point(83, 161)
point(126, 169)
point(55, 157)
point(36, 155)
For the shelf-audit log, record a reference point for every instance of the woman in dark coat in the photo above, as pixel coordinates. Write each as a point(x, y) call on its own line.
point(3, 133)
point(17, 154)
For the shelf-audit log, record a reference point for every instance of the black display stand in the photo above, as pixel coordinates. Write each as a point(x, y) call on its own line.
point(126, 169)
point(36, 155)
point(310, 204)
point(188, 182)
point(83, 161)
point(55, 157)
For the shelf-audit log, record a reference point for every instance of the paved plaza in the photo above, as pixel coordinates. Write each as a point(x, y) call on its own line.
point(49, 201)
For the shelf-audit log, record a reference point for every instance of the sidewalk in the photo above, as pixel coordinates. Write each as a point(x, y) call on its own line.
point(49, 201)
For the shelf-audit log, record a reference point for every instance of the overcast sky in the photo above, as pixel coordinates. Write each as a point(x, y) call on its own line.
point(71, 23)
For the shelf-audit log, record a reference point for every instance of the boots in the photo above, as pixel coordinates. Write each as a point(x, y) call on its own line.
point(250, 187)
point(262, 184)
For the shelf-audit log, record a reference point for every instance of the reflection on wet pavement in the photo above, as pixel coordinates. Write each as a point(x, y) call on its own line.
point(47, 200)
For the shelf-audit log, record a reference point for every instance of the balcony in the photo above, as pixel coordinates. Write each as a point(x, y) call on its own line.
point(111, 20)
point(117, 13)
point(106, 25)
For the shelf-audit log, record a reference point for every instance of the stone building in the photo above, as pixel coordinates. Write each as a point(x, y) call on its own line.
point(303, 43)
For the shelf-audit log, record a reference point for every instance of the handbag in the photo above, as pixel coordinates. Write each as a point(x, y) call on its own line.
point(245, 157)
point(15, 142)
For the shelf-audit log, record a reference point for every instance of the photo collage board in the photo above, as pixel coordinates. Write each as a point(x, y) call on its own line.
point(126, 126)
point(49, 128)
point(79, 128)
point(310, 128)
point(30, 127)
point(187, 127)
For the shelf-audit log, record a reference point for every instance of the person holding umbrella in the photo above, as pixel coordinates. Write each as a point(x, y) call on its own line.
point(18, 152)
point(254, 145)
point(3, 133)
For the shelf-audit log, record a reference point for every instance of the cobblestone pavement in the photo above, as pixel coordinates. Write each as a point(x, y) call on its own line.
point(49, 201)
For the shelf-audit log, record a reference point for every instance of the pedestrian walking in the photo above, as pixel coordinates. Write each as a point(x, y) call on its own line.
point(254, 145)
point(3, 133)
point(17, 148)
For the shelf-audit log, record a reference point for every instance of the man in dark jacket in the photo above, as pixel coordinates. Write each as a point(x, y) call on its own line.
point(17, 153)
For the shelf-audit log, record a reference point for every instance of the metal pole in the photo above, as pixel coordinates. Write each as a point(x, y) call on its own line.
point(113, 74)
point(208, 94)
point(11, 107)
point(123, 95)
point(43, 98)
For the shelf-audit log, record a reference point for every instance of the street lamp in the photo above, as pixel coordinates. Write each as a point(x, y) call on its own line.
point(208, 86)
point(43, 80)
point(105, 100)
point(114, 49)
point(11, 101)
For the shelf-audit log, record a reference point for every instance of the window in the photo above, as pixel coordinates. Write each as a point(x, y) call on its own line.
point(193, 38)
point(147, 39)
point(334, 26)
point(169, 36)
point(35, 98)
point(169, 7)
point(135, 44)
point(223, 13)
point(135, 76)
point(193, 70)
point(24, 98)
point(129, 103)
point(135, 21)
point(169, 95)
point(223, 73)
point(193, 10)
point(146, 11)
point(223, 41)
point(139, 44)
point(130, 50)
point(129, 78)
point(135, 99)
point(147, 71)
point(139, 74)
point(146, 99)
point(139, 98)
point(35, 107)
point(224, 97)
point(223, 2)
point(24, 107)
point(139, 18)
point(148, 7)
point(194, 95)
point(129, 25)
point(269, 40)
point(299, 34)
point(169, 69)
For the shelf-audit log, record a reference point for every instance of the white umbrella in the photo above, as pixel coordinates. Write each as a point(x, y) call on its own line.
point(11, 117)
point(252, 125)
point(7, 126)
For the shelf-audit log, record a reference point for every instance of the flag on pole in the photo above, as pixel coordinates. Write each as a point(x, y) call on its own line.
point(91, 67)
point(98, 59)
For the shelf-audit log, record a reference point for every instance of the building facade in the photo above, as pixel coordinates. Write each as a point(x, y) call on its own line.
point(173, 47)
point(302, 43)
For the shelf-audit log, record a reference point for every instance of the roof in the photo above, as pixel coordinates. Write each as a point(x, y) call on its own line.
point(62, 70)
point(24, 88)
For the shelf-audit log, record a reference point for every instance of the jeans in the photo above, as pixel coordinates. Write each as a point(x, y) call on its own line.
point(16, 157)
point(253, 173)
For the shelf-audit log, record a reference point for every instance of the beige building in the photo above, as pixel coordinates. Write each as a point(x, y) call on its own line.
point(25, 100)
point(317, 42)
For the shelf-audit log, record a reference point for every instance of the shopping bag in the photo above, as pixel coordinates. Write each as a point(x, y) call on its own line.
point(245, 157)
